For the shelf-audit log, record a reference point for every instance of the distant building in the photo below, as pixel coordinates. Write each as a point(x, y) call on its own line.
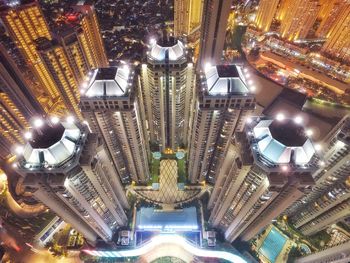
point(222, 104)
point(299, 19)
point(17, 105)
point(187, 17)
point(329, 13)
point(213, 31)
point(57, 64)
point(339, 253)
point(110, 106)
point(266, 13)
point(329, 200)
point(267, 168)
point(25, 23)
point(166, 94)
point(74, 43)
point(94, 46)
point(67, 169)
point(338, 41)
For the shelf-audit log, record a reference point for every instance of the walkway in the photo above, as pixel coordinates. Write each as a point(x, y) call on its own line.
point(168, 240)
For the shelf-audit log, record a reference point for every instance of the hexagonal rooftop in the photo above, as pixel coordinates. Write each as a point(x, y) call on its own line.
point(51, 144)
point(175, 50)
point(225, 79)
point(283, 142)
point(113, 81)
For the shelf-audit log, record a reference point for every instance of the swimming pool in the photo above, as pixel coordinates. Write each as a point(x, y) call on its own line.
point(273, 245)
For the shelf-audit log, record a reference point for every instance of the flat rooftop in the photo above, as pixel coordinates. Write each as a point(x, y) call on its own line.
point(180, 220)
point(288, 132)
point(46, 136)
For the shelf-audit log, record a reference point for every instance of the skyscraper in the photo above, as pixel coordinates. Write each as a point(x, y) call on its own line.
point(222, 104)
point(282, 9)
point(266, 13)
point(166, 94)
point(267, 168)
point(72, 39)
point(12, 124)
point(67, 169)
point(338, 41)
point(329, 200)
point(213, 31)
point(56, 62)
point(187, 17)
point(110, 106)
point(299, 19)
point(93, 45)
point(13, 83)
point(25, 23)
point(330, 12)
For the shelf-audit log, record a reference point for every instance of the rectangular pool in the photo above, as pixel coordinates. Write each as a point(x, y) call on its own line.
point(273, 245)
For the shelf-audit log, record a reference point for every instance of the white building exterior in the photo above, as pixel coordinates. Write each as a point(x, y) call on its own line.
point(67, 169)
point(222, 104)
point(329, 200)
point(267, 168)
point(167, 90)
point(110, 106)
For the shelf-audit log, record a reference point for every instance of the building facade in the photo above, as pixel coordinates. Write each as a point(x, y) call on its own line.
point(93, 46)
point(110, 106)
point(329, 13)
point(266, 13)
point(56, 62)
point(213, 31)
point(329, 200)
point(68, 170)
point(187, 17)
point(338, 43)
point(25, 23)
point(267, 168)
point(166, 94)
point(222, 104)
point(299, 19)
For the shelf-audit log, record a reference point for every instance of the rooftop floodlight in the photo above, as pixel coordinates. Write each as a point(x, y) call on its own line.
point(207, 66)
point(152, 41)
point(54, 119)
point(252, 88)
point(19, 149)
point(247, 75)
point(280, 117)
point(309, 132)
point(249, 120)
point(318, 147)
point(245, 70)
point(322, 163)
point(38, 122)
point(70, 119)
point(298, 120)
point(250, 82)
point(284, 168)
point(85, 85)
point(28, 135)
point(126, 68)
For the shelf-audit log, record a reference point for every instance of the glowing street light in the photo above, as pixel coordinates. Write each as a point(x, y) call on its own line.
point(38, 123)
point(70, 119)
point(298, 120)
point(309, 132)
point(318, 147)
point(28, 135)
point(54, 119)
point(19, 149)
point(280, 117)
point(207, 66)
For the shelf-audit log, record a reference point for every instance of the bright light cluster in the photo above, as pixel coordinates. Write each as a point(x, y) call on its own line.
point(168, 239)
